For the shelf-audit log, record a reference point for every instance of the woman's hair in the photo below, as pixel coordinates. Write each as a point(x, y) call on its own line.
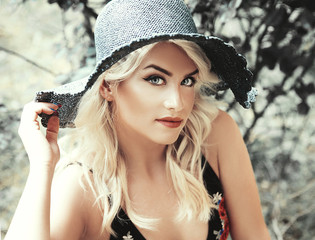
point(94, 143)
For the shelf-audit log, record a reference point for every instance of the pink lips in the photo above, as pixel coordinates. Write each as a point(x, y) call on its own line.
point(170, 122)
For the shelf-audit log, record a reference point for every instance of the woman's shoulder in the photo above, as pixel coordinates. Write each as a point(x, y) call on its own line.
point(69, 178)
point(73, 205)
point(224, 131)
point(222, 124)
point(223, 138)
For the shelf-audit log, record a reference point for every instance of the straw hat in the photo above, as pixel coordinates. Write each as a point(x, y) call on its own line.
point(124, 26)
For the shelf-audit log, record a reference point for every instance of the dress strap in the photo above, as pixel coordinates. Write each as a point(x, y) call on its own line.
point(210, 178)
point(80, 164)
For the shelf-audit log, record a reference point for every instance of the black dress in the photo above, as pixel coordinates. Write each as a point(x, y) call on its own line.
point(218, 224)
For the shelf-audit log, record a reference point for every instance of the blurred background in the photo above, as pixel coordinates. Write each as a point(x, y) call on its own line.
point(47, 43)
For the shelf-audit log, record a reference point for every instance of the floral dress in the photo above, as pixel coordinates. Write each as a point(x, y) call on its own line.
point(218, 224)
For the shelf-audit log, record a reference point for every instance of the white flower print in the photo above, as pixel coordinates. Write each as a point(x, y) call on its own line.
point(128, 237)
point(217, 198)
point(217, 234)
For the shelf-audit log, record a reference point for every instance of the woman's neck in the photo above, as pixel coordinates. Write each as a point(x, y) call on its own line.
point(142, 156)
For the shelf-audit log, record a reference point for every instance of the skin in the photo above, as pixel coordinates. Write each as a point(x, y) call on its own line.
point(63, 210)
point(231, 162)
point(168, 94)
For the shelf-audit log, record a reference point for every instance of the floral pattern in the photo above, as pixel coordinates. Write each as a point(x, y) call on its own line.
point(128, 237)
point(223, 233)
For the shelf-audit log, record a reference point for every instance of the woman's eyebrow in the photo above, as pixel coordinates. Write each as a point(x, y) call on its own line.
point(167, 72)
point(159, 69)
point(192, 73)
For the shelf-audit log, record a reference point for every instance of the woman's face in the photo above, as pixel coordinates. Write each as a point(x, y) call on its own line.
point(154, 103)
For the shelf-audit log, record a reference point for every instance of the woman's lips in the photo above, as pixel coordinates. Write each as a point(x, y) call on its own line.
point(170, 122)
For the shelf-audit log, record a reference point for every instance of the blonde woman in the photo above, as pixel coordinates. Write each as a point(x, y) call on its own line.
point(151, 156)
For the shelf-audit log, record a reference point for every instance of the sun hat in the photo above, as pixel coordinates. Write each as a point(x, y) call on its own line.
point(126, 25)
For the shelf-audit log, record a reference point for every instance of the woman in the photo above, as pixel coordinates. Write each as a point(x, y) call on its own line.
point(150, 155)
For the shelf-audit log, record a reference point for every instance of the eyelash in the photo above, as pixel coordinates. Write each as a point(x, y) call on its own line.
point(155, 77)
point(193, 81)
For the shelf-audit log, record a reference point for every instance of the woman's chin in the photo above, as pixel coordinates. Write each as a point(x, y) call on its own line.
point(168, 140)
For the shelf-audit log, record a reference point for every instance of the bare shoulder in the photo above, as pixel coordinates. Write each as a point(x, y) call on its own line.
point(223, 126)
point(69, 188)
point(73, 212)
point(223, 138)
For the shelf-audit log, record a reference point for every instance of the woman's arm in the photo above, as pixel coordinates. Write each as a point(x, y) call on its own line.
point(32, 217)
point(227, 154)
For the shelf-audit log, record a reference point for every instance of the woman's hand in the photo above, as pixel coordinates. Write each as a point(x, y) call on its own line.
point(43, 151)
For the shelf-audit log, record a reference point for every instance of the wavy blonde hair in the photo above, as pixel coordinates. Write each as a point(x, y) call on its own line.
point(95, 144)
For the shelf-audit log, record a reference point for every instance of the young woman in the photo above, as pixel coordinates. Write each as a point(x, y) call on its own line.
point(151, 156)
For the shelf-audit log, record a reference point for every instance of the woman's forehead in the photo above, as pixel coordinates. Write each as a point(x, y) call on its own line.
point(168, 55)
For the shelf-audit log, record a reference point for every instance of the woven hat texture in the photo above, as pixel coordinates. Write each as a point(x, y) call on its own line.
point(126, 25)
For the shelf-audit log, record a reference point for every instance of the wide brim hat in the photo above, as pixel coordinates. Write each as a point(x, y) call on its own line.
point(124, 26)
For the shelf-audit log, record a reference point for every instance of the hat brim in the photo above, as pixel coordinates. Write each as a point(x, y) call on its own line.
point(229, 66)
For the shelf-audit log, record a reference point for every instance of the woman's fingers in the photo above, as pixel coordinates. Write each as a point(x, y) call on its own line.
point(52, 129)
point(30, 114)
point(41, 148)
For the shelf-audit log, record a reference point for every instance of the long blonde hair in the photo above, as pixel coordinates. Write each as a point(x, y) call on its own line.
point(95, 144)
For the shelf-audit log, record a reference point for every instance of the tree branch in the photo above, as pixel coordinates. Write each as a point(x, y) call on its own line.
point(308, 186)
point(295, 218)
point(27, 60)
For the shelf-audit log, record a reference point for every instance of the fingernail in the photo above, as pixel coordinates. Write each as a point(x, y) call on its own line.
point(58, 104)
point(52, 109)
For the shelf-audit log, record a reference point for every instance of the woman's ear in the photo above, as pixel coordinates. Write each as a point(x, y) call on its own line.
point(106, 91)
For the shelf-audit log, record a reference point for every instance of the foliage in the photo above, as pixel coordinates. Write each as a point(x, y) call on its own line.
point(278, 39)
point(12, 152)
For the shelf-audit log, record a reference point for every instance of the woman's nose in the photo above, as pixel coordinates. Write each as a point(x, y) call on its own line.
point(174, 100)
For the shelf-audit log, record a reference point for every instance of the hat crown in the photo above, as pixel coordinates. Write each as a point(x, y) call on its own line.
point(122, 22)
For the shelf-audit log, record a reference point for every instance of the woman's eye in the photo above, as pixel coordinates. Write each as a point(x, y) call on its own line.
point(189, 82)
point(156, 80)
